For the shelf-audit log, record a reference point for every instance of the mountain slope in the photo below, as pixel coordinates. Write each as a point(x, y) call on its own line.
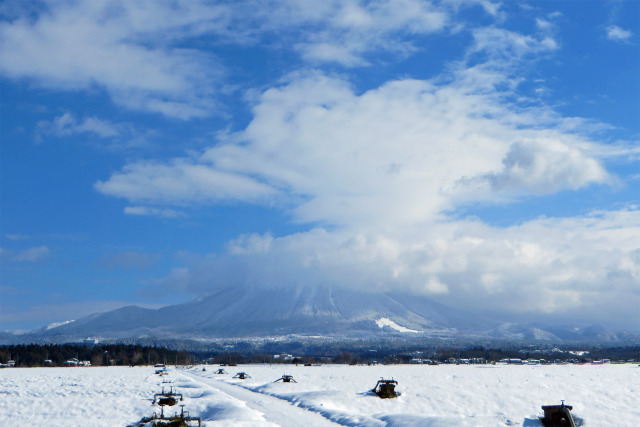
point(318, 311)
point(274, 312)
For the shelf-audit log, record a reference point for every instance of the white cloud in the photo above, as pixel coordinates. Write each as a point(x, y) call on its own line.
point(376, 171)
point(401, 153)
point(546, 167)
point(67, 124)
point(34, 254)
point(381, 168)
point(354, 29)
point(618, 34)
point(498, 42)
point(543, 24)
point(181, 182)
point(95, 131)
point(135, 50)
point(493, 8)
point(314, 258)
point(125, 48)
point(345, 32)
point(17, 236)
point(147, 210)
point(559, 267)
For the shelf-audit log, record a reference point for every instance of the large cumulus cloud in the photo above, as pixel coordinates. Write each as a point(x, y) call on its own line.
point(378, 176)
point(377, 173)
point(399, 154)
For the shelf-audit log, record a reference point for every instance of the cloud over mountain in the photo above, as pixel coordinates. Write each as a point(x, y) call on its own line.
point(482, 153)
point(379, 174)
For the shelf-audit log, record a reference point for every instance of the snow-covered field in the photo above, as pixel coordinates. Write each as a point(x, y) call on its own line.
point(445, 395)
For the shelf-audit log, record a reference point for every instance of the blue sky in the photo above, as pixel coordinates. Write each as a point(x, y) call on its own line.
point(483, 153)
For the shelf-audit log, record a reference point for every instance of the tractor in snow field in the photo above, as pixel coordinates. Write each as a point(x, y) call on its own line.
point(385, 389)
point(558, 416)
point(242, 375)
point(177, 420)
point(166, 398)
point(286, 379)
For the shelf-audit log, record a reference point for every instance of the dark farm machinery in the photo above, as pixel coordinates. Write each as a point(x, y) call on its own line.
point(168, 398)
point(242, 375)
point(286, 379)
point(183, 419)
point(558, 416)
point(385, 389)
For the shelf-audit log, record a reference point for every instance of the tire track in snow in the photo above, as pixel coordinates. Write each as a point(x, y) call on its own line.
point(273, 409)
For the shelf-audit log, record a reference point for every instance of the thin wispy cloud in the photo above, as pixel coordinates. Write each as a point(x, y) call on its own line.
point(17, 236)
point(34, 254)
point(67, 124)
point(95, 131)
point(146, 210)
point(618, 34)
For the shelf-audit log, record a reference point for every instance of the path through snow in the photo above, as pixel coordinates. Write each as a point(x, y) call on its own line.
point(272, 410)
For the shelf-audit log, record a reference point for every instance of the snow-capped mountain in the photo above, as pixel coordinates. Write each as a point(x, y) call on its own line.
point(275, 312)
point(320, 311)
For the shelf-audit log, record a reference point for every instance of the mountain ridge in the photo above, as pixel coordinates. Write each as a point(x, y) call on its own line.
point(319, 311)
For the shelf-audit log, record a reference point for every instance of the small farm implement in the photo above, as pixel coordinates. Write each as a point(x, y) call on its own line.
point(286, 379)
point(558, 416)
point(166, 398)
point(242, 375)
point(385, 389)
point(177, 420)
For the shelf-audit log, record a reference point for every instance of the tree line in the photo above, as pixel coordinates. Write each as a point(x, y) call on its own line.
point(33, 355)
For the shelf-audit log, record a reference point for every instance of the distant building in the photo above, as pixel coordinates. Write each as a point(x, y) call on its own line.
point(285, 357)
point(72, 362)
point(512, 361)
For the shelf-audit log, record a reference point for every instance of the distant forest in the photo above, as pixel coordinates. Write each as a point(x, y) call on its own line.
point(33, 355)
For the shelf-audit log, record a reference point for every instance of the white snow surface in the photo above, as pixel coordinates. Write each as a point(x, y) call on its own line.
point(383, 321)
point(435, 396)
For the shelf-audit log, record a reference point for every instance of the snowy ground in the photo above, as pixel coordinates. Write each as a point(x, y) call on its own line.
point(445, 395)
